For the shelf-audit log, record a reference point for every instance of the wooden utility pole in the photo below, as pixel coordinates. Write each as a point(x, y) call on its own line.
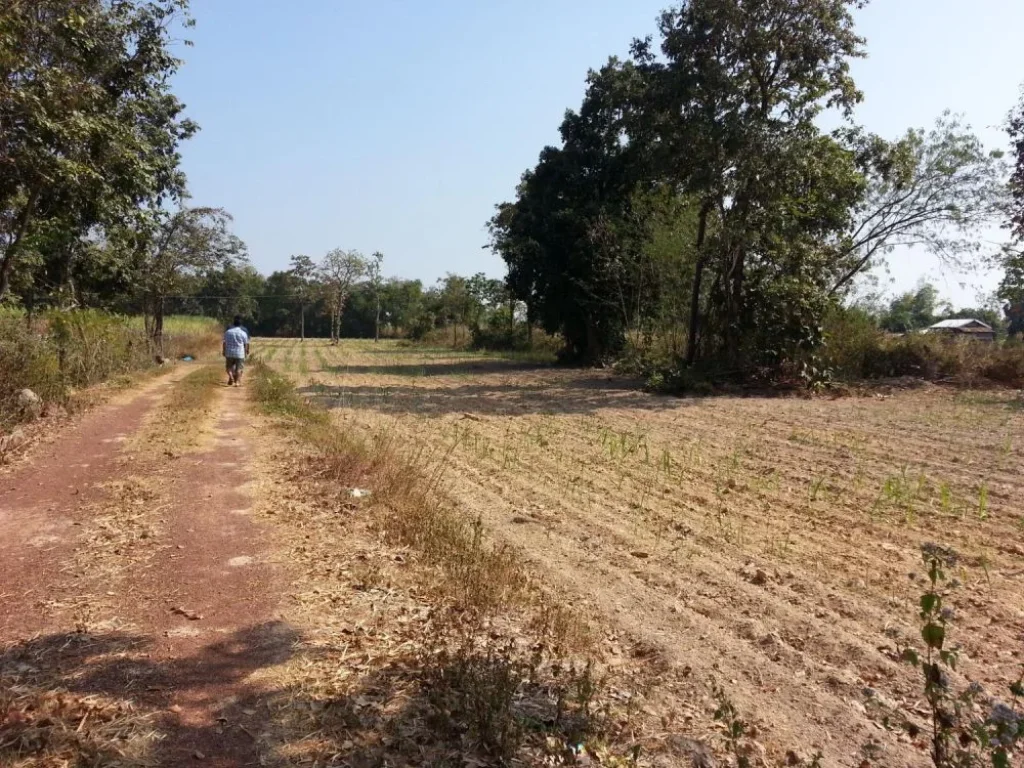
point(376, 324)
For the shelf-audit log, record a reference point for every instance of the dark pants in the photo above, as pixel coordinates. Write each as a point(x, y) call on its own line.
point(234, 366)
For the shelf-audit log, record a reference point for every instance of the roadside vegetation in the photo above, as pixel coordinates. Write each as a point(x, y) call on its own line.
point(57, 354)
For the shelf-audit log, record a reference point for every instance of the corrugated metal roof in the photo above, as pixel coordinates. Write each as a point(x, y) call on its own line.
point(961, 323)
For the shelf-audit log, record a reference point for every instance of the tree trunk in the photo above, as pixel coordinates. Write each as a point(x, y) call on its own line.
point(698, 276)
point(7, 262)
point(335, 306)
point(376, 322)
point(734, 325)
point(302, 322)
point(592, 354)
point(158, 325)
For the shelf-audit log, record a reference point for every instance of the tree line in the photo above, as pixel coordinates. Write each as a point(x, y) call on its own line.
point(695, 196)
point(694, 201)
point(343, 294)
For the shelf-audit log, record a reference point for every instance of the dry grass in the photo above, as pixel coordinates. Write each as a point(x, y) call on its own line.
point(63, 352)
point(481, 577)
point(43, 725)
point(425, 643)
point(761, 543)
point(182, 423)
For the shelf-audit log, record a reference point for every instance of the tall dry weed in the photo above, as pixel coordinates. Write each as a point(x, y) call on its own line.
point(59, 352)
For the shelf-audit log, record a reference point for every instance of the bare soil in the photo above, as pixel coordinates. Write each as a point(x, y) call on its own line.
point(769, 545)
point(131, 572)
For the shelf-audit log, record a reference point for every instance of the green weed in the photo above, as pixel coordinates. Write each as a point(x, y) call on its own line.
point(967, 728)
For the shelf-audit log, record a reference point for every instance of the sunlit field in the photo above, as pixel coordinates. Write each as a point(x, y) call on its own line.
point(770, 544)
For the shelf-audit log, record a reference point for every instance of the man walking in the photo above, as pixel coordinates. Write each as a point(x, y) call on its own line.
point(235, 349)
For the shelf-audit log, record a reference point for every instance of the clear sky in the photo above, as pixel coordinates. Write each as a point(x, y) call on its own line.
point(397, 125)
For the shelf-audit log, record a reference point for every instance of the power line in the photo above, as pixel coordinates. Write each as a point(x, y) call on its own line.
point(267, 296)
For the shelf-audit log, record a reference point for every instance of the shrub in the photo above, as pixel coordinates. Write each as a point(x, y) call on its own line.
point(857, 349)
point(498, 336)
point(27, 360)
point(63, 351)
point(421, 326)
point(854, 349)
point(1006, 364)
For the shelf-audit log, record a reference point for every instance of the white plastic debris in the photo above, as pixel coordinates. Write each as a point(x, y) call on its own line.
point(359, 493)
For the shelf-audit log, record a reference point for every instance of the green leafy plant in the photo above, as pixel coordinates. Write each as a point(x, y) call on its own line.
point(733, 726)
point(960, 737)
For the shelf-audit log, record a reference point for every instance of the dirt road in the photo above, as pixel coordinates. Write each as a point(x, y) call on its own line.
point(131, 574)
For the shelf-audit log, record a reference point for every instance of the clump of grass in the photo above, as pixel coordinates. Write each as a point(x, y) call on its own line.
point(903, 491)
point(196, 391)
point(180, 422)
point(482, 576)
point(487, 691)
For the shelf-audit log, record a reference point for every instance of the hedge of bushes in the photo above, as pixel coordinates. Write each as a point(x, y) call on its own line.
point(60, 352)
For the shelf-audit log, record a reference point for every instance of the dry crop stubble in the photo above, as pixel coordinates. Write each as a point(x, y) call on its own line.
point(422, 640)
point(765, 543)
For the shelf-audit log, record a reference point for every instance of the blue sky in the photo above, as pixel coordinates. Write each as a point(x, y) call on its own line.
point(396, 126)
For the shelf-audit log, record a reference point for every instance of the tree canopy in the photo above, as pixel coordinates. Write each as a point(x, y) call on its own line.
point(708, 139)
point(89, 127)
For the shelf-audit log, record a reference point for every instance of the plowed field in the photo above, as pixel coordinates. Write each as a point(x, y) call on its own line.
point(768, 544)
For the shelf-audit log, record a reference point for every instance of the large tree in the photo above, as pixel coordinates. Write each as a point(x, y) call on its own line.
point(167, 249)
point(734, 98)
point(89, 128)
point(304, 272)
point(938, 190)
point(572, 239)
point(1015, 129)
point(373, 266)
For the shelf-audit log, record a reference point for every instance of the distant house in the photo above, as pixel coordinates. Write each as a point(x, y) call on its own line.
point(966, 328)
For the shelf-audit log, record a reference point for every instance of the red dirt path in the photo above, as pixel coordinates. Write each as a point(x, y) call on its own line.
point(205, 562)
